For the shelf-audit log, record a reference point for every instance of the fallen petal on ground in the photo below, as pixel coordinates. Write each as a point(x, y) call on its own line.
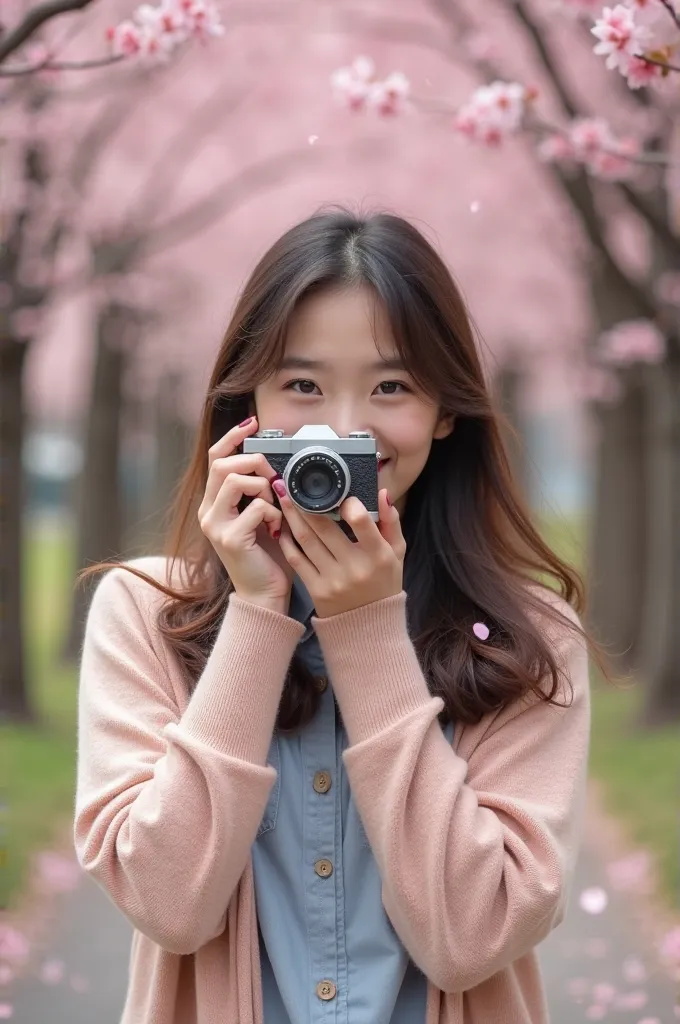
point(14, 946)
point(52, 972)
point(6, 1011)
point(58, 873)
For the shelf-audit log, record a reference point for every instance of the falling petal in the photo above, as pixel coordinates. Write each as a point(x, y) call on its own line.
point(481, 631)
point(52, 972)
point(475, 206)
point(593, 900)
point(78, 983)
point(6, 1011)
point(13, 945)
point(312, 139)
point(634, 971)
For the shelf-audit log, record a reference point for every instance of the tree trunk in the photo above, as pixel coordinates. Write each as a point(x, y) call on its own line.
point(15, 702)
point(617, 555)
point(618, 529)
point(508, 386)
point(173, 439)
point(99, 498)
point(659, 661)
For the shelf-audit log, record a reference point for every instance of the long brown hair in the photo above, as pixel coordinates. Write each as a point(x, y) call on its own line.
point(472, 551)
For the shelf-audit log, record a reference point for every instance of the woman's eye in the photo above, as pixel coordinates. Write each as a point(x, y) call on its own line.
point(391, 385)
point(306, 386)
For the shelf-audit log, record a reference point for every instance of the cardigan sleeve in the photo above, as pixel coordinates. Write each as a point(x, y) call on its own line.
point(168, 804)
point(476, 856)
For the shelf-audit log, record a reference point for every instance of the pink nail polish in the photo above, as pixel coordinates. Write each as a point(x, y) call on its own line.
point(389, 500)
point(246, 422)
point(279, 487)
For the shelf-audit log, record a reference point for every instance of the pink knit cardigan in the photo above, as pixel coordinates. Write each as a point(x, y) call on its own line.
point(475, 843)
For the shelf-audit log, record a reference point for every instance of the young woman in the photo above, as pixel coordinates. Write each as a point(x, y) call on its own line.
point(332, 779)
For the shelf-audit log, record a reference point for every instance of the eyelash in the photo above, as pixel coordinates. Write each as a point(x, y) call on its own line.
point(305, 380)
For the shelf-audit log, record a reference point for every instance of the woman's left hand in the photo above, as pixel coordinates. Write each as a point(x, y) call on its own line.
point(341, 574)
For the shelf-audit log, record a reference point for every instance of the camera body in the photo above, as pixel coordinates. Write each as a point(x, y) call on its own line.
point(321, 469)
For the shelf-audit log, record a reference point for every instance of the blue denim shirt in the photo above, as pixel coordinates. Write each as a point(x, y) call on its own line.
point(328, 951)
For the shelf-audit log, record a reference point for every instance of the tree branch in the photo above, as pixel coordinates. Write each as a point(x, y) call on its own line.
point(32, 21)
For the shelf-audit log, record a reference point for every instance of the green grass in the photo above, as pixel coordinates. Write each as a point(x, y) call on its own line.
point(39, 762)
point(641, 776)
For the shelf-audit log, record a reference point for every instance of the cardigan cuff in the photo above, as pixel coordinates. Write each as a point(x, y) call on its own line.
point(373, 666)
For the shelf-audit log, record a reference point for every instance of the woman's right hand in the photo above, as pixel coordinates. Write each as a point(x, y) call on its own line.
point(239, 538)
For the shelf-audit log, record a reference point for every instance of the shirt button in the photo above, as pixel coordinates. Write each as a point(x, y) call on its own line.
point(324, 868)
point(322, 782)
point(321, 683)
point(326, 990)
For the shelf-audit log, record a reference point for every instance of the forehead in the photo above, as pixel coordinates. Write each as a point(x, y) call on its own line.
point(350, 323)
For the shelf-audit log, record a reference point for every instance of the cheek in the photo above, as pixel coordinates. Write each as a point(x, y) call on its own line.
point(410, 433)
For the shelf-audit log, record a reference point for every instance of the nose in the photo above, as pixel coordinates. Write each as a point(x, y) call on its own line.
point(346, 418)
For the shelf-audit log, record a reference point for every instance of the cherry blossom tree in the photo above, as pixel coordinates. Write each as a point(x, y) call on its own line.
point(630, 371)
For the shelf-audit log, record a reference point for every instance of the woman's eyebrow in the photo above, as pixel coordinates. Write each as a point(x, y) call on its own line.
point(304, 363)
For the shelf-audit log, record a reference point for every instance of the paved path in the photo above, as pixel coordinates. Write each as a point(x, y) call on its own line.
point(92, 938)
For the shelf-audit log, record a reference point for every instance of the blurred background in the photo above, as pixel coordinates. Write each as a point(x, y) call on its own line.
point(135, 198)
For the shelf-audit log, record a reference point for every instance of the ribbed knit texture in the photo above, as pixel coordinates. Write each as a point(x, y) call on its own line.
point(373, 665)
point(476, 844)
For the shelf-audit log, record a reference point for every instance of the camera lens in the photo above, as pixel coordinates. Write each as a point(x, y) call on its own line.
point(317, 479)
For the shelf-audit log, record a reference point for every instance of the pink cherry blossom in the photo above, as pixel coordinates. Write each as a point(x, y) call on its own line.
point(493, 112)
point(357, 87)
point(619, 34)
point(155, 31)
point(391, 95)
point(632, 341)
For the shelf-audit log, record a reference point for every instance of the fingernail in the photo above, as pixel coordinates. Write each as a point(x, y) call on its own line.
point(277, 476)
point(246, 422)
point(389, 500)
point(279, 487)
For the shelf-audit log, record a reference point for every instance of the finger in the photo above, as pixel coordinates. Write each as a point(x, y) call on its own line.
point(221, 468)
point(331, 535)
point(355, 514)
point(259, 511)
point(312, 545)
point(389, 524)
point(233, 489)
point(296, 558)
point(230, 441)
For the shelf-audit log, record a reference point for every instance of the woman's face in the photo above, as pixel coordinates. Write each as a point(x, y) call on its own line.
point(341, 368)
